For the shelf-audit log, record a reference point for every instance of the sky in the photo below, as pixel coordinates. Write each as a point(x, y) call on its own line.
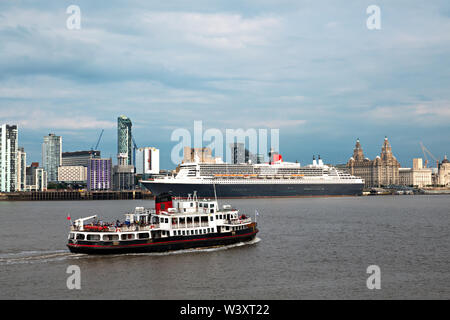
point(311, 69)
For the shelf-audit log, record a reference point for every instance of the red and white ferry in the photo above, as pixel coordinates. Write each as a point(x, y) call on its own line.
point(174, 224)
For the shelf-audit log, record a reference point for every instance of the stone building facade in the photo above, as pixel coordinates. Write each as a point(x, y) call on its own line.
point(382, 171)
point(444, 172)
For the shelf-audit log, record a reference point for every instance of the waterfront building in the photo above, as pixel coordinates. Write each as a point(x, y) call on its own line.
point(123, 177)
point(124, 138)
point(72, 174)
point(444, 172)
point(123, 174)
point(79, 158)
point(21, 161)
point(147, 161)
point(36, 178)
point(239, 154)
point(8, 158)
point(260, 158)
point(417, 176)
point(382, 171)
point(52, 156)
point(99, 173)
point(200, 155)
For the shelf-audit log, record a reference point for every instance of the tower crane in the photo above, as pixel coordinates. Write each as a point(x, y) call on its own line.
point(98, 141)
point(425, 152)
point(134, 151)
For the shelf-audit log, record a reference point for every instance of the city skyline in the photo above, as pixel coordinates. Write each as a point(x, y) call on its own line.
point(371, 151)
point(313, 71)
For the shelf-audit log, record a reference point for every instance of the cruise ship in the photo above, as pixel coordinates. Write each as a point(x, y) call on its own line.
point(274, 179)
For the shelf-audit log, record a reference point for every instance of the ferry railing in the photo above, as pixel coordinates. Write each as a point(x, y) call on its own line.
point(122, 228)
point(239, 221)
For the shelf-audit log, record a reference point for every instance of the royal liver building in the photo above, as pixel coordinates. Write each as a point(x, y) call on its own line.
point(381, 171)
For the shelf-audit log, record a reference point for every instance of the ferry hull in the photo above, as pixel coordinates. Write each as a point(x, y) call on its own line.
point(255, 190)
point(163, 244)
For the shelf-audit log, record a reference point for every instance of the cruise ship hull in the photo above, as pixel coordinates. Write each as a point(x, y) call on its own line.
point(237, 190)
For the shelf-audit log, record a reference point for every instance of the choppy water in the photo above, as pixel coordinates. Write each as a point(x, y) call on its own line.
point(309, 248)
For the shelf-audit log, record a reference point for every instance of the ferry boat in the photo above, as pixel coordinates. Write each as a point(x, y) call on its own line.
point(275, 179)
point(174, 224)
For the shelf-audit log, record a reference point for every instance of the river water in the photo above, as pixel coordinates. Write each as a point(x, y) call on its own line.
point(307, 248)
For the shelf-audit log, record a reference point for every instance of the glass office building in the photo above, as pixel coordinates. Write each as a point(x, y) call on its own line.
point(52, 156)
point(124, 138)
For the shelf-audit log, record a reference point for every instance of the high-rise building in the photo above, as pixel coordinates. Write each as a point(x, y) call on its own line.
point(147, 160)
point(52, 156)
point(123, 174)
point(99, 174)
point(36, 178)
point(125, 138)
point(381, 171)
point(8, 158)
point(79, 158)
point(239, 154)
point(21, 170)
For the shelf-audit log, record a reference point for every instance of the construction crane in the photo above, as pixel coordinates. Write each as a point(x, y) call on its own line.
point(134, 151)
point(98, 141)
point(425, 151)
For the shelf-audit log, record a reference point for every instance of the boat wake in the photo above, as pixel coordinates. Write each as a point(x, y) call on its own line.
point(195, 250)
point(42, 256)
point(39, 256)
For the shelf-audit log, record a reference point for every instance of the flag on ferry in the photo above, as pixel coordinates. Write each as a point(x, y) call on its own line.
point(68, 217)
point(256, 213)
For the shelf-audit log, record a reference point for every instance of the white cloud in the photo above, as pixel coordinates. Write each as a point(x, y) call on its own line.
point(424, 114)
point(41, 119)
point(220, 31)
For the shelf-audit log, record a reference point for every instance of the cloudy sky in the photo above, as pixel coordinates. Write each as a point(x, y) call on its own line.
point(311, 69)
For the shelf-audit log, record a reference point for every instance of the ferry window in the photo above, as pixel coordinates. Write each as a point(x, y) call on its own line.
point(192, 204)
point(184, 233)
point(144, 235)
point(71, 235)
point(110, 237)
point(211, 210)
point(93, 237)
point(200, 205)
point(80, 236)
point(127, 236)
point(211, 205)
point(211, 218)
